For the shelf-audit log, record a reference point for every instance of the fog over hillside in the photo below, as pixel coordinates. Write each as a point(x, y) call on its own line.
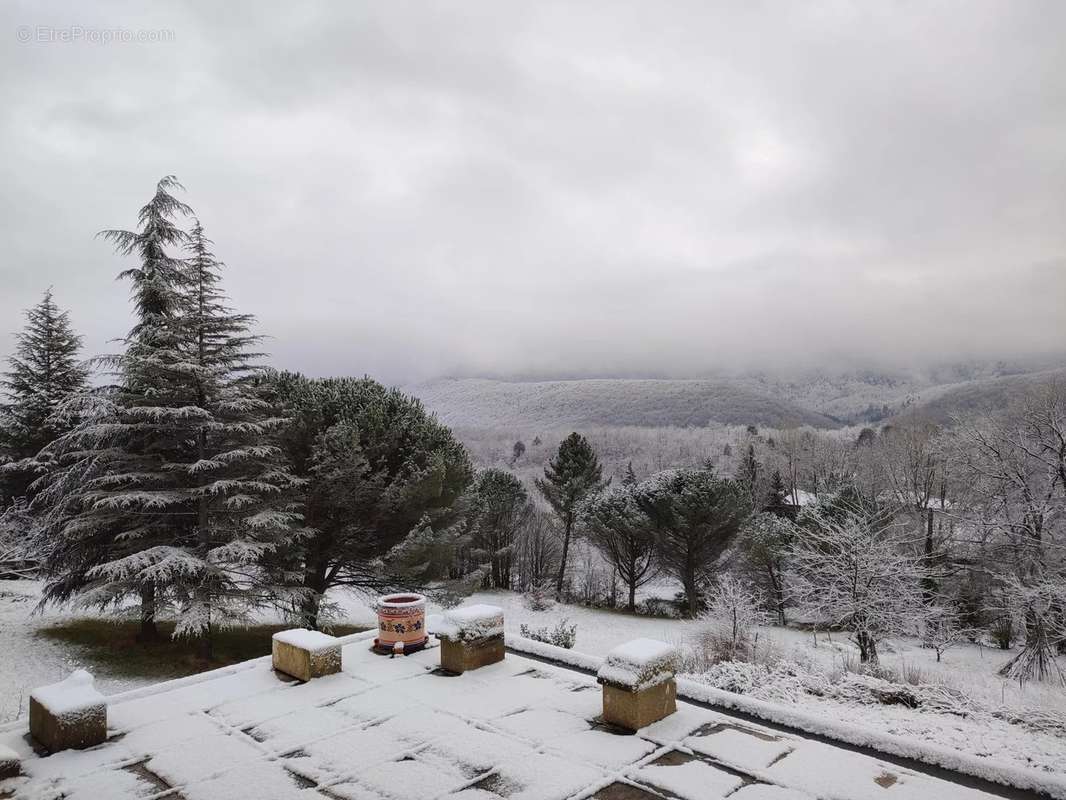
point(942, 403)
point(781, 400)
point(650, 403)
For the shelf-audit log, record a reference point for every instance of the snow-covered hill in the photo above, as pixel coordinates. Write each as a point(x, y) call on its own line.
point(608, 402)
point(941, 402)
point(823, 399)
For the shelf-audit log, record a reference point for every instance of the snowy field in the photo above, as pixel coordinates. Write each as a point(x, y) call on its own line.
point(977, 712)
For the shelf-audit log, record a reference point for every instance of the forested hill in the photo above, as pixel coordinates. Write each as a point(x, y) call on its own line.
point(481, 402)
point(942, 402)
point(822, 400)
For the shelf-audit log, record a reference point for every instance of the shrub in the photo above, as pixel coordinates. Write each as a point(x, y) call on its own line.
point(659, 607)
point(1002, 632)
point(562, 635)
point(733, 611)
point(539, 598)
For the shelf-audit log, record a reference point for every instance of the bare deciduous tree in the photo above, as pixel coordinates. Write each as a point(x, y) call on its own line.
point(853, 572)
point(1013, 464)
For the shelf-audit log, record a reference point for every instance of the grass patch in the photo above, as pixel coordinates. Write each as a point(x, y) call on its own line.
point(112, 647)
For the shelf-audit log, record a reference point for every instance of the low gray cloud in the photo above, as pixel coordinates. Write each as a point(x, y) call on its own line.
point(412, 189)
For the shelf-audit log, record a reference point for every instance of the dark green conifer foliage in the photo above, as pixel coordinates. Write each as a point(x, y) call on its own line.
point(569, 478)
point(170, 488)
point(43, 373)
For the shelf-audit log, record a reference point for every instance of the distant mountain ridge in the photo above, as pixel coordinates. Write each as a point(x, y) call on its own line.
point(821, 400)
point(480, 402)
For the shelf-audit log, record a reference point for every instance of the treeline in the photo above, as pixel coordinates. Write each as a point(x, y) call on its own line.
point(950, 534)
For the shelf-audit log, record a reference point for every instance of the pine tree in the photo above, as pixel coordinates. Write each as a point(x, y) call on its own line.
point(517, 451)
point(749, 476)
point(95, 516)
point(569, 478)
point(171, 489)
point(777, 497)
point(501, 508)
point(42, 375)
point(765, 542)
point(695, 516)
point(623, 535)
point(235, 475)
point(382, 489)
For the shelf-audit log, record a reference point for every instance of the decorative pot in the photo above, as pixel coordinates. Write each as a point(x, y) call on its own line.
point(401, 623)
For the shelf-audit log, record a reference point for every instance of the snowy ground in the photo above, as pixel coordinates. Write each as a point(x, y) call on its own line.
point(980, 725)
point(28, 660)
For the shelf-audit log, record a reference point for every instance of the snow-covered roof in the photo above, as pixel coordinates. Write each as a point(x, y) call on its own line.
point(398, 729)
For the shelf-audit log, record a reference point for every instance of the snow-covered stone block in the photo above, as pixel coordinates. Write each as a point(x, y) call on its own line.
point(638, 683)
point(70, 714)
point(471, 637)
point(470, 622)
point(639, 664)
point(10, 765)
point(306, 654)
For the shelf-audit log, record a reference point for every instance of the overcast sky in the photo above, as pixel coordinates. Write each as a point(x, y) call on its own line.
point(415, 189)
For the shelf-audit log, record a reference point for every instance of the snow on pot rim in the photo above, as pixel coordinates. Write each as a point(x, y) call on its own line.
point(402, 600)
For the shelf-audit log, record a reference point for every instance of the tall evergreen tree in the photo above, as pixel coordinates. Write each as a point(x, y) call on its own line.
point(569, 478)
point(765, 541)
point(44, 372)
point(623, 534)
point(695, 516)
point(777, 497)
point(171, 489)
point(121, 432)
point(749, 477)
point(235, 474)
point(381, 482)
point(501, 507)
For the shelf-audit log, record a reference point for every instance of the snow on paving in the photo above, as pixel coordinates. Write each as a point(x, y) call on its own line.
point(1000, 732)
point(397, 728)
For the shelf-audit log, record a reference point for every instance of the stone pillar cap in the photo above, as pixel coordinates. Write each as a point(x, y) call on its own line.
point(471, 622)
point(74, 693)
point(639, 664)
point(306, 639)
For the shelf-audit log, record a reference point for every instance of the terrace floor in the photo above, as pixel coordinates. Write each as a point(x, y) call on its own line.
point(399, 729)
